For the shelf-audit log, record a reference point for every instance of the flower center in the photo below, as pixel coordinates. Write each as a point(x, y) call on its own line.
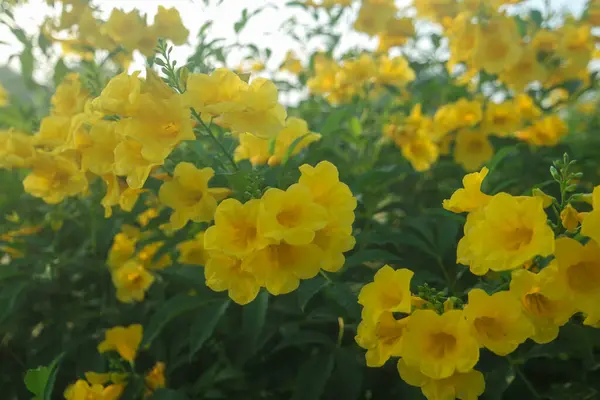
point(537, 304)
point(441, 344)
point(489, 327)
point(475, 146)
point(290, 217)
point(584, 276)
point(518, 238)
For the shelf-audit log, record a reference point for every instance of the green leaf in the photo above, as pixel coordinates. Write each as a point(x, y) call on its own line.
point(9, 298)
point(334, 121)
point(308, 289)
point(60, 71)
point(26, 59)
point(168, 394)
point(36, 379)
point(536, 16)
point(171, 309)
point(362, 256)
point(301, 338)
point(313, 376)
point(294, 144)
point(49, 388)
point(253, 321)
point(205, 324)
point(347, 378)
point(341, 293)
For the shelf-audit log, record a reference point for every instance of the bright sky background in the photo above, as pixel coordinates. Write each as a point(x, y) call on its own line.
point(262, 30)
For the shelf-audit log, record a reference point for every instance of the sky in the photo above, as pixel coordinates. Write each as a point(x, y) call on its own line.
point(264, 29)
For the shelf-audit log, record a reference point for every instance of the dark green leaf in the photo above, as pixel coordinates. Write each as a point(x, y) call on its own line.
point(341, 293)
point(253, 321)
point(313, 376)
point(308, 289)
point(36, 379)
point(303, 337)
point(346, 380)
point(370, 255)
point(168, 394)
point(206, 322)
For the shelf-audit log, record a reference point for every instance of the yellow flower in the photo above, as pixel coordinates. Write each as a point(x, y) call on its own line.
point(155, 379)
point(446, 120)
point(146, 257)
point(192, 251)
point(54, 177)
point(374, 15)
point(569, 218)
point(334, 240)
point(235, 231)
point(189, 196)
point(527, 109)
point(472, 149)
point(436, 10)
point(279, 267)
point(502, 119)
point(421, 152)
point(159, 125)
point(466, 386)
point(397, 32)
point(83, 390)
point(70, 97)
point(547, 199)
point(3, 96)
point(590, 226)
point(505, 234)
point(291, 64)
point(252, 148)
point(224, 272)
point(216, 93)
point(124, 28)
point(468, 113)
point(99, 156)
point(123, 340)
point(290, 215)
point(578, 275)
point(497, 44)
point(439, 345)
point(546, 314)
point(381, 338)
point(497, 321)
point(526, 70)
point(544, 132)
point(168, 24)
point(123, 247)
point(97, 378)
point(389, 292)
point(261, 115)
point(394, 71)
point(576, 45)
point(131, 281)
point(16, 149)
point(129, 162)
point(54, 131)
point(120, 96)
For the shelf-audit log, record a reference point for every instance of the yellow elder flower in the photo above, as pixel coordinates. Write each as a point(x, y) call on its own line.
point(334, 240)
point(546, 314)
point(502, 119)
point(70, 97)
point(569, 218)
point(279, 267)
point(83, 390)
point(120, 96)
point(374, 15)
point(590, 225)
point(505, 234)
point(235, 231)
point(528, 69)
point(189, 196)
point(526, 107)
point(436, 10)
point(54, 131)
point(465, 386)
point(394, 71)
point(497, 321)
point(131, 281)
point(16, 149)
point(261, 115)
point(389, 292)
point(576, 45)
point(544, 132)
point(3, 96)
point(578, 276)
point(129, 162)
point(227, 273)
point(421, 152)
point(468, 112)
point(439, 345)
point(54, 177)
point(216, 93)
point(124, 28)
point(118, 193)
point(155, 379)
point(125, 340)
point(397, 32)
point(291, 64)
point(472, 149)
point(290, 215)
point(123, 247)
point(98, 156)
point(193, 252)
point(168, 24)
point(497, 44)
point(146, 257)
point(382, 338)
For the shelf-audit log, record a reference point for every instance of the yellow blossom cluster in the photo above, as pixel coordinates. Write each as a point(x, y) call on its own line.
point(486, 39)
point(124, 340)
point(380, 18)
point(277, 240)
point(291, 64)
point(365, 75)
point(469, 124)
point(122, 34)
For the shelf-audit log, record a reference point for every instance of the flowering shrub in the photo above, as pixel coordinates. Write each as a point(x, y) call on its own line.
point(424, 222)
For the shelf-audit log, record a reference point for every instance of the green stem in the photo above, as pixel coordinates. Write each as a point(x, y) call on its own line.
point(214, 138)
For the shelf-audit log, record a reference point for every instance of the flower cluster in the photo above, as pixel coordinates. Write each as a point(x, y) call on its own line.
point(464, 128)
point(125, 341)
point(121, 34)
point(277, 240)
point(365, 75)
point(379, 18)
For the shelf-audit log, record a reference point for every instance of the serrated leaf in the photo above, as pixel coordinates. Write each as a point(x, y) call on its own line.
point(206, 322)
point(313, 376)
point(171, 309)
